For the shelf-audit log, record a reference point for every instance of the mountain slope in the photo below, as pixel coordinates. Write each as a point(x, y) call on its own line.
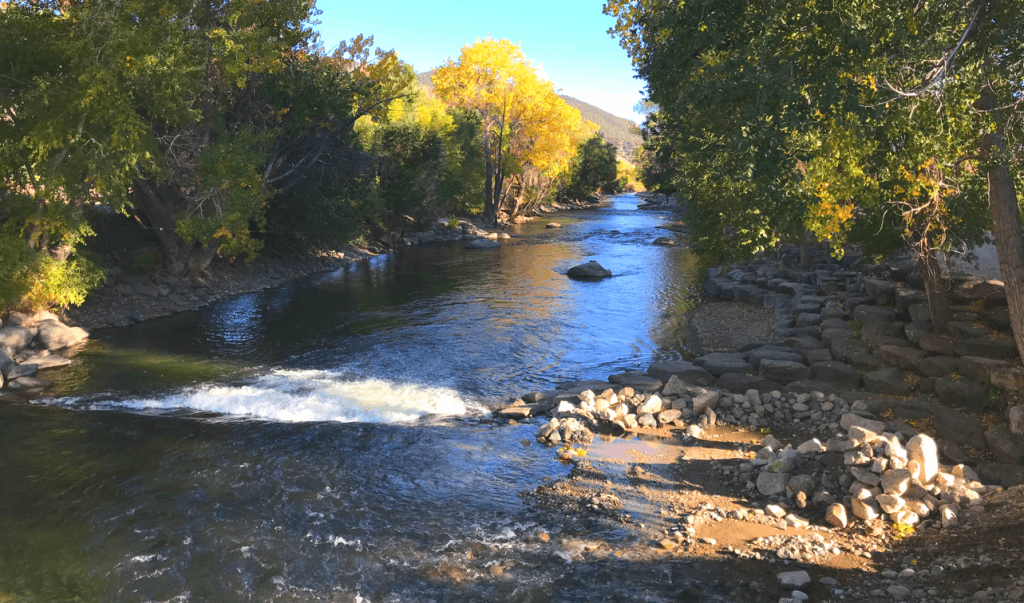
point(620, 132)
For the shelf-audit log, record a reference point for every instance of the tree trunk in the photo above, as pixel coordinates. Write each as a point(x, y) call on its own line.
point(181, 257)
point(935, 289)
point(489, 209)
point(1006, 222)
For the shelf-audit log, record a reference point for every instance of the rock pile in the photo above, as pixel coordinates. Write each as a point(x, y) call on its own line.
point(867, 474)
point(29, 344)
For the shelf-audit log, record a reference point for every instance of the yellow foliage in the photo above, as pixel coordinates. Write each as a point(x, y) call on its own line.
point(523, 114)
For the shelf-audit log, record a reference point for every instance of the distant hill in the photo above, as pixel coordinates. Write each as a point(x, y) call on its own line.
point(622, 133)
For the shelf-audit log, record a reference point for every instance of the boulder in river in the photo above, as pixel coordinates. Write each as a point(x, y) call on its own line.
point(664, 241)
point(553, 225)
point(589, 271)
point(482, 244)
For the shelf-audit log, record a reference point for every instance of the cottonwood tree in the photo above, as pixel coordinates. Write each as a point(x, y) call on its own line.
point(523, 119)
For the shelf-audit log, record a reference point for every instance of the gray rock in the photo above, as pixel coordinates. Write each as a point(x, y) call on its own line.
point(771, 484)
point(720, 357)
point(589, 271)
point(666, 241)
point(6, 362)
point(888, 381)
point(22, 370)
point(721, 367)
point(54, 335)
point(674, 387)
point(482, 244)
point(739, 383)
point(1016, 419)
point(783, 371)
point(898, 592)
point(856, 354)
point(959, 428)
point(665, 370)
point(667, 416)
point(15, 339)
point(794, 579)
point(902, 357)
point(26, 383)
point(1001, 349)
point(980, 368)
point(1001, 474)
point(962, 392)
point(938, 366)
point(866, 312)
point(755, 357)
point(836, 373)
point(705, 400)
point(808, 319)
point(1007, 447)
point(849, 420)
point(835, 515)
point(647, 420)
point(932, 342)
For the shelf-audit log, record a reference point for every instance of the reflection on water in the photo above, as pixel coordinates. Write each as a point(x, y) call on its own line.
point(353, 483)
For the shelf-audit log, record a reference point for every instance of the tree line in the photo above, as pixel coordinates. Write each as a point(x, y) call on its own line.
point(224, 127)
point(893, 124)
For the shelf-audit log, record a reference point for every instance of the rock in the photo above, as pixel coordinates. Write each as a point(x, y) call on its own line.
point(6, 362)
point(890, 503)
point(30, 383)
point(835, 515)
point(898, 592)
point(54, 335)
point(948, 516)
point(646, 420)
point(588, 271)
point(15, 339)
point(22, 370)
point(1007, 447)
point(756, 356)
point(938, 366)
point(1000, 349)
point(739, 383)
point(667, 416)
point(932, 342)
point(1010, 378)
point(666, 370)
point(666, 241)
point(783, 371)
point(650, 406)
point(721, 367)
point(794, 579)
point(959, 428)
point(482, 244)
point(922, 448)
point(771, 484)
point(895, 482)
point(849, 419)
point(964, 393)
point(979, 368)
point(865, 509)
point(1002, 474)
point(855, 353)
point(705, 400)
point(1016, 419)
point(553, 225)
point(674, 387)
point(903, 357)
point(887, 381)
point(808, 319)
point(836, 373)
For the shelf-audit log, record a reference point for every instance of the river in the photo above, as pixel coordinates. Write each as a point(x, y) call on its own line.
point(328, 440)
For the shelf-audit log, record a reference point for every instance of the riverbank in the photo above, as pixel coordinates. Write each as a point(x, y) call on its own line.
point(863, 490)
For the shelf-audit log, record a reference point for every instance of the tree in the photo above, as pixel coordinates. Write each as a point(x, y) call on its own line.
point(593, 171)
point(522, 118)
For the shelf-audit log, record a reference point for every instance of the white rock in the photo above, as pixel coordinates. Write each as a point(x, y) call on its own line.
point(794, 579)
point(771, 484)
point(906, 517)
point(865, 509)
point(565, 406)
point(895, 481)
point(813, 445)
point(849, 420)
point(890, 503)
point(948, 515)
point(965, 472)
point(775, 511)
point(922, 448)
point(918, 506)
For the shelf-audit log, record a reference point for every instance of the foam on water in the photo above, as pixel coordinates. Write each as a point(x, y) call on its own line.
point(305, 395)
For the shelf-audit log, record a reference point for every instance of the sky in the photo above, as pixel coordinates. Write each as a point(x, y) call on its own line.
point(567, 39)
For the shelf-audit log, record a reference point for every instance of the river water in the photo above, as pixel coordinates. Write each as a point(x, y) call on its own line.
point(327, 440)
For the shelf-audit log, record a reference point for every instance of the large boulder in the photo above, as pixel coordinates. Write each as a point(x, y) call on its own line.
point(922, 449)
point(961, 393)
point(784, 371)
point(54, 335)
point(589, 271)
point(903, 357)
point(755, 357)
point(15, 338)
point(938, 366)
point(887, 381)
point(1001, 349)
point(932, 342)
point(1016, 419)
point(738, 383)
point(721, 367)
point(836, 373)
point(855, 353)
point(1002, 474)
point(1007, 447)
point(959, 428)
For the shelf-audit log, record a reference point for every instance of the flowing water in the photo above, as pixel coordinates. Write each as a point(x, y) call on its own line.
point(327, 440)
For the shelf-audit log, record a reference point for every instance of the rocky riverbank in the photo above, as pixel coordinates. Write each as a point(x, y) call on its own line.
point(892, 446)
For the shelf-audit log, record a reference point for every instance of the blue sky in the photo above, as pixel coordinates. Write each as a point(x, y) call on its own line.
point(568, 38)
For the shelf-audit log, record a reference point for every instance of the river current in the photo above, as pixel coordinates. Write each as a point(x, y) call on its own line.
point(327, 440)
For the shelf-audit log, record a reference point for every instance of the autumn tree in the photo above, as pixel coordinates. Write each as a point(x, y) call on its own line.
point(524, 122)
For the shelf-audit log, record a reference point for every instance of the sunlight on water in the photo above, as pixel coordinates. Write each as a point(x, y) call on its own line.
point(303, 395)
